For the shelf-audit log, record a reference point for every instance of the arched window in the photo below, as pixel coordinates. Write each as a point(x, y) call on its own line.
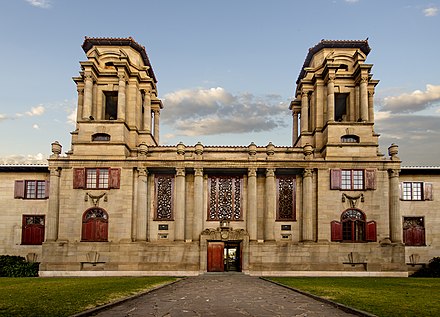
point(350, 138)
point(353, 227)
point(95, 225)
point(101, 137)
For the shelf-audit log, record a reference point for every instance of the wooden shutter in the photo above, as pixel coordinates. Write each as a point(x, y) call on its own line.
point(414, 236)
point(335, 178)
point(19, 189)
point(370, 233)
point(427, 191)
point(79, 178)
point(114, 176)
point(336, 230)
point(370, 179)
point(46, 189)
point(101, 230)
point(88, 231)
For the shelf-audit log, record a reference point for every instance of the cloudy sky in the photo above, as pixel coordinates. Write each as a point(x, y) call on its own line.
point(226, 69)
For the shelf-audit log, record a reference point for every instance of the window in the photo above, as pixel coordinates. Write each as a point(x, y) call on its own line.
point(95, 225)
point(32, 232)
point(164, 188)
point(353, 227)
point(286, 189)
point(224, 198)
point(111, 105)
point(101, 137)
point(31, 189)
point(349, 138)
point(340, 107)
point(353, 179)
point(96, 178)
point(414, 231)
point(415, 191)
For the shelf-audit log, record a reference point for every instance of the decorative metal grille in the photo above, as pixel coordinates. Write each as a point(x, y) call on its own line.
point(353, 214)
point(224, 198)
point(164, 197)
point(410, 222)
point(286, 198)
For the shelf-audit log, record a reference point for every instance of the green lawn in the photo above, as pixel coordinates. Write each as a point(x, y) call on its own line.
point(380, 296)
point(67, 296)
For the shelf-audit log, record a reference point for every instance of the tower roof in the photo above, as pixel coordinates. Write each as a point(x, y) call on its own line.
point(89, 42)
point(359, 44)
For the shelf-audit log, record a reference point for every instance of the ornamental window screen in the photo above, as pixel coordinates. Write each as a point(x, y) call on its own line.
point(164, 185)
point(286, 188)
point(224, 198)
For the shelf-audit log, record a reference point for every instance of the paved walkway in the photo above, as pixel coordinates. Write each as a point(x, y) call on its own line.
point(223, 295)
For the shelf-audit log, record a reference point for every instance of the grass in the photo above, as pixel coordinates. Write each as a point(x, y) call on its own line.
point(380, 296)
point(67, 296)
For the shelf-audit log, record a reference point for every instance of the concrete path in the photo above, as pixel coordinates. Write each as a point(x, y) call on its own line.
point(223, 295)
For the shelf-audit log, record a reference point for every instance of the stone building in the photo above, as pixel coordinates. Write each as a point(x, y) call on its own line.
point(119, 203)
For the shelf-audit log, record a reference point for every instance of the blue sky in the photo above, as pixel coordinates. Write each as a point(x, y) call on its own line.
point(226, 69)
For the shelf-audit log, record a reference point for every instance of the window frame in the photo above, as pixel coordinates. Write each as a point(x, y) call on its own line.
point(80, 178)
point(338, 229)
point(110, 105)
point(368, 179)
point(410, 195)
point(96, 180)
point(279, 198)
point(39, 191)
point(415, 235)
point(94, 229)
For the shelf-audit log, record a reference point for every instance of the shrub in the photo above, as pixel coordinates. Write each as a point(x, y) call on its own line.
point(17, 266)
point(432, 270)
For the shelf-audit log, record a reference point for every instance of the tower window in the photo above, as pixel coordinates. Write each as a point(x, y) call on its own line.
point(340, 107)
point(111, 105)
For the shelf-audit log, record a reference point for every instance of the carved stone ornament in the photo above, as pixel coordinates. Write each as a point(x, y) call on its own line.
point(225, 235)
point(95, 198)
point(353, 200)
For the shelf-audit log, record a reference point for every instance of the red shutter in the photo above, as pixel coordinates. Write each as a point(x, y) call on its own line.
point(46, 189)
point(19, 189)
point(371, 231)
point(79, 178)
point(427, 191)
point(114, 178)
point(336, 230)
point(335, 178)
point(414, 236)
point(370, 179)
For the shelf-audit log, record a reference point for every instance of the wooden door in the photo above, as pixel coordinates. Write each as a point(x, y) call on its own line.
point(215, 256)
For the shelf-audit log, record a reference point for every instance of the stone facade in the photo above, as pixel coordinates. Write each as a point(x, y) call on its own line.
point(121, 204)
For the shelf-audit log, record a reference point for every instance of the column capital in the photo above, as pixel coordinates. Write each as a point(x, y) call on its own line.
point(331, 78)
point(122, 77)
point(180, 171)
point(364, 79)
point(252, 172)
point(393, 173)
point(156, 112)
point(55, 171)
point(198, 171)
point(143, 171)
point(80, 90)
point(308, 172)
point(270, 172)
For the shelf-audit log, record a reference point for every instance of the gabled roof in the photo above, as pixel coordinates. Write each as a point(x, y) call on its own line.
point(362, 45)
point(89, 42)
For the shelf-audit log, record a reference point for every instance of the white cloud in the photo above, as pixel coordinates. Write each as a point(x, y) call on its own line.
point(36, 126)
point(3, 117)
point(44, 4)
point(216, 111)
point(412, 102)
point(71, 117)
point(38, 158)
point(430, 12)
point(351, 1)
point(35, 111)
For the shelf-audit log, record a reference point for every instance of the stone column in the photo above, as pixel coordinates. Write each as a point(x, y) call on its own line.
point(269, 219)
point(156, 125)
point(331, 99)
point(53, 212)
point(307, 212)
point(364, 98)
point(251, 220)
point(179, 207)
point(319, 105)
point(394, 200)
point(371, 106)
point(79, 108)
point(142, 205)
point(198, 203)
point(304, 112)
point(88, 96)
point(295, 127)
point(121, 97)
point(147, 111)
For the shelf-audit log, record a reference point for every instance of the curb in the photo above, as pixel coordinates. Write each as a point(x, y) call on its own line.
point(97, 309)
point(342, 307)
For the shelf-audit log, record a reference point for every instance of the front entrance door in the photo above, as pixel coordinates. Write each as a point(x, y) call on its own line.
point(224, 256)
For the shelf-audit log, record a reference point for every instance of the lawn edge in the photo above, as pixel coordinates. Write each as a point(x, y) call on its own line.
point(340, 306)
point(94, 310)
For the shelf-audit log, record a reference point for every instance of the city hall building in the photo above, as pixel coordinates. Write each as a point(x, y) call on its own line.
point(119, 203)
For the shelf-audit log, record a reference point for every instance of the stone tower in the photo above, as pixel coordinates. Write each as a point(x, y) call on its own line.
point(118, 109)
